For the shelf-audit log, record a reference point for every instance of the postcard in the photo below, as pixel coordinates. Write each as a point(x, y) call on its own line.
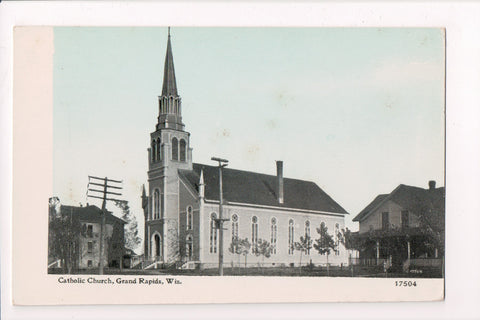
point(179, 162)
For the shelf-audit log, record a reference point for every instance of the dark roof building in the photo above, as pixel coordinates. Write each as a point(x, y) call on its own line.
point(426, 203)
point(405, 228)
point(74, 238)
point(261, 189)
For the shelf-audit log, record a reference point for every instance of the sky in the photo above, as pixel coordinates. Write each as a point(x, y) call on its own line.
point(356, 110)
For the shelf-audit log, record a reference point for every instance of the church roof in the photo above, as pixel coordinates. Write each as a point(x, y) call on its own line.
point(414, 199)
point(169, 81)
point(260, 189)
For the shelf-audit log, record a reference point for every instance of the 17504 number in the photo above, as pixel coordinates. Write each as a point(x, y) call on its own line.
point(405, 283)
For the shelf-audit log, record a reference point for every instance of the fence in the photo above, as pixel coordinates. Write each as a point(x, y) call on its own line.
point(427, 262)
point(369, 262)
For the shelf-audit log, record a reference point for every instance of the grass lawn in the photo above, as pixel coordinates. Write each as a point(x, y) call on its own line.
point(375, 272)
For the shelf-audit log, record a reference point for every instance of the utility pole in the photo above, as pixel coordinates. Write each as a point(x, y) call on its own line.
point(219, 222)
point(114, 184)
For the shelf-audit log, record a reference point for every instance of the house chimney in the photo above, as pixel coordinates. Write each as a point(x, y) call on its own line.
point(431, 185)
point(280, 181)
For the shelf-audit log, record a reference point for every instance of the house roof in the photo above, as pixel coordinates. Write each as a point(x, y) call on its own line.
point(260, 189)
point(427, 202)
point(378, 199)
point(90, 213)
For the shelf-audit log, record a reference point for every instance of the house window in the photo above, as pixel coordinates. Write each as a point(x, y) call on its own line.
point(213, 233)
point(189, 247)
point(234, 227)
point(90, 231)
point(385, 220)
point(307, 234)
point(156, 204)
point(291, 235)
point(189, 217)
point(183, 146)
point(175, 149)
point(273, 235)
point(254, 233)
point(405, 221)
point(89, 263)
point(89, 247)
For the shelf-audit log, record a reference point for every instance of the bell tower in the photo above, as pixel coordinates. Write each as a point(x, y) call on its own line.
point(169, 151)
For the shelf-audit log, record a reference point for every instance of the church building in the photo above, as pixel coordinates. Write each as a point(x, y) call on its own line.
point(181, 203)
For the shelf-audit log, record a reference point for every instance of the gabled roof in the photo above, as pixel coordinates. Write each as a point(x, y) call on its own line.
point(90, 213)
point(260, 189)
point(416, 200)
point(378, 199)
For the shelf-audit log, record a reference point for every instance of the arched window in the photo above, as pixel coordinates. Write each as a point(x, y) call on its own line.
point(291, 236)
point(234, 227)
point(189, 217)
point(213, 233)
point(307, 234)
point(189, 247)
point(156, 204)
point(153, 150)
point(254, 233)
point(337, 239)
point(183, 151)
point(322, 236)
point(175, 149)
point(159, 148)
point(273, 235)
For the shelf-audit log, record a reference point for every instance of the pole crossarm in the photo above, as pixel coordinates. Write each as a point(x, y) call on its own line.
point(105, 192)
point(111, 180)
point(220, 160)
point(108, 192)
point(108, 199)
point(102, 185)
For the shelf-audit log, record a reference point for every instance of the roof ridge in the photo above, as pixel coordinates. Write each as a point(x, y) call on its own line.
point(253, 172)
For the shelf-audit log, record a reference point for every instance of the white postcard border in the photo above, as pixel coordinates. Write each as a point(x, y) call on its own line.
point(458, 20)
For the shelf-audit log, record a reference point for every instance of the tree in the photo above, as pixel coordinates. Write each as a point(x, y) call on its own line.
point(235, 247)
point(324, 244)
point(63, 234)
point(263, 248)
point(304, 246)
point(432, 226)
point(240, 247)
point(346, 239)
point(132, 240)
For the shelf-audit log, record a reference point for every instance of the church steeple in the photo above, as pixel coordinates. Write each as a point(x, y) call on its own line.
point(170, 103)
point(169, 82)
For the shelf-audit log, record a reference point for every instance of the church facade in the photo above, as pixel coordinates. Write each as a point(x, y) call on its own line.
point(181, 203)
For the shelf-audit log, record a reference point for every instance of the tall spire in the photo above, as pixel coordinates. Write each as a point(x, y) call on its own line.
point(170, 103)
point(169, 82)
